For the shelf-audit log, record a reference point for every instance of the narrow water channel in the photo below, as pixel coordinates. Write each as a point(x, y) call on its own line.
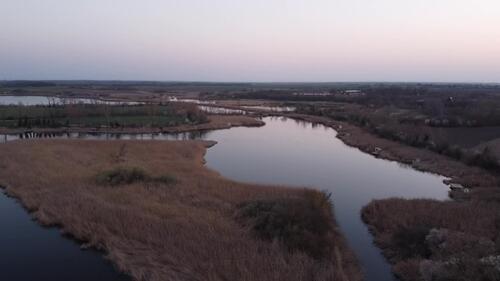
point(46, 100)
point(30, 252)
point(296, 153)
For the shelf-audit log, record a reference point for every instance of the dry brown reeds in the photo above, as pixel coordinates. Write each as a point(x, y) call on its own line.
point(433, 240)
point(155, 231)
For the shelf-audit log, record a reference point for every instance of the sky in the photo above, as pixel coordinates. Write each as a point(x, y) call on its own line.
point(251, 40)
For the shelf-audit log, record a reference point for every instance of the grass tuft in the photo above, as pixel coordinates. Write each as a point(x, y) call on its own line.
point(165, 179)
point(127, 175)
point(121, 175)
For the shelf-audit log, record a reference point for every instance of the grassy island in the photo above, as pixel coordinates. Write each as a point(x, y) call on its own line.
point(159, 214)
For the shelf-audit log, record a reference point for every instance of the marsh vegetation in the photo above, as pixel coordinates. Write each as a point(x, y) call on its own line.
point(185, 230)
point(100, 116)
point(301, 224)
point(439, 240)
point(427, 126)
point(129, 175)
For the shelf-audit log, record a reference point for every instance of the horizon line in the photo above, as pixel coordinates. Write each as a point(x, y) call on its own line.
point(247, 82)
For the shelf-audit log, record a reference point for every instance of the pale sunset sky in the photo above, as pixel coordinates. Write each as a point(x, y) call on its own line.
point(251, 40)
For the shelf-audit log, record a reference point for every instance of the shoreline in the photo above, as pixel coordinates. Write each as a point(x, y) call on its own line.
point(417, 158)
point(200, 206)
point(217, 122)
point(396, 217)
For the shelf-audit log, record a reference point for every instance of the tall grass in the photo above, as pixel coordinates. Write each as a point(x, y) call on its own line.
point(187, 231)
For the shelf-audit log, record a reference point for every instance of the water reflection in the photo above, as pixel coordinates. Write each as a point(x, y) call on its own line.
point(221, 110)
point(271, 108)
point(46, 100)
point(196, 101)
point(299, 153)
point(192, 135)
point(30, 252)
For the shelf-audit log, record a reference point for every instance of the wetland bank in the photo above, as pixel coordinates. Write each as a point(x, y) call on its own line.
point(283, 152)
point(270, 150)
point(195, 225)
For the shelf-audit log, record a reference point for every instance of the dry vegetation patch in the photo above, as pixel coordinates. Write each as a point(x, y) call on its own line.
point(432, 240)
point(301, 224)
point(183, 230)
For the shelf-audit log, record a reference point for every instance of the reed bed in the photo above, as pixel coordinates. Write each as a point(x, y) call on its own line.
point(184, 229)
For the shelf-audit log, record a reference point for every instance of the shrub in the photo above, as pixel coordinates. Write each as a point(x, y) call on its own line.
point(303, 224)
point(121, 175)
point(463, 269)
point(462, 245)
point(486, 159)
point(165, 179)
point(411, 242)
point(125, 175)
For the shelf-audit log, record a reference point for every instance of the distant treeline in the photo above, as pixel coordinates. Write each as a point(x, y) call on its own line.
point(400, 94)
point(100, 115)
point(12, 84)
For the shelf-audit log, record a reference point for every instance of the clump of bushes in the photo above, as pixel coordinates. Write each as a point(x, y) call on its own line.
point(462, 269)
point(485, 159)
point(121, 175)
point(127, 175)
point(301, 224)
point(411, 242)
point(439, 241)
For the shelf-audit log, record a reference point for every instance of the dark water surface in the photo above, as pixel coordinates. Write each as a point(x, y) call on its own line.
point(283, 152)
point(30, 252)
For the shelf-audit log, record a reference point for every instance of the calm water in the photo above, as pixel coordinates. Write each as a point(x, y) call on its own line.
point(41, 100)
point(271, 108)
point(195, 101)
point(221, 110)
point(30, 252)
point(288, 152)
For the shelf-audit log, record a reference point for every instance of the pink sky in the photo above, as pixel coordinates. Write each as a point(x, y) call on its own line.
point(274, 40)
